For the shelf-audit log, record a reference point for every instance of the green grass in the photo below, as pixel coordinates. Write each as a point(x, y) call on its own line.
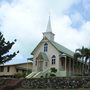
point(54, 89)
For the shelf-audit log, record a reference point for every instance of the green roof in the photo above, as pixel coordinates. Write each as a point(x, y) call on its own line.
point(61, 48)
point(42, 56)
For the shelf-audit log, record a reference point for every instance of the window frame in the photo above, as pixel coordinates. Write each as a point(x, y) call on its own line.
point(45, 47)
point(53, 59)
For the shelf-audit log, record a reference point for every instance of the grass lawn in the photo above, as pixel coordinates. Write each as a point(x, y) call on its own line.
point(54, 89)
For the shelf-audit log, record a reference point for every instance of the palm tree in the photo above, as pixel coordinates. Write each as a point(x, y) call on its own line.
point(87, 60)
point(77, 55)
point(80, 53)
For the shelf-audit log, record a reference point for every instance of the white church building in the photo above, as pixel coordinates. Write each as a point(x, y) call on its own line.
point(48, 54)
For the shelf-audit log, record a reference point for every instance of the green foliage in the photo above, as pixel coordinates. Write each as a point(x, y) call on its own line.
point(84, 54)
point(54, 70)
point(5, 47)
point(52, 75)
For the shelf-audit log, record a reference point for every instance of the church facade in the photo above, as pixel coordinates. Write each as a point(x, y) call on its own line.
point(49, 54)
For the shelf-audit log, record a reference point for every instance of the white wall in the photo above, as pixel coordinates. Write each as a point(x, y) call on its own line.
point(51, 51)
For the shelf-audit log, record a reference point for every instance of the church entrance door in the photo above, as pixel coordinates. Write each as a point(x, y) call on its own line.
point(40, 66)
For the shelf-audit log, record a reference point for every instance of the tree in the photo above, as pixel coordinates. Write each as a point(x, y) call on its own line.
point(5, 48)
point(87, 60)
point(80, 53)
point(84, 55)
point(77, 55)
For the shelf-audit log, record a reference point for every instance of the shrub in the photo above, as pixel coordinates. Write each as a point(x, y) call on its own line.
point(52, 75)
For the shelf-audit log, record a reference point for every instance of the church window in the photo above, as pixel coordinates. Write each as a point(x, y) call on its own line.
point(53, 59)
point(45, 47)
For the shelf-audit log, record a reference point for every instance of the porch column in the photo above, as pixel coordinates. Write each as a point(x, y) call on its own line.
point(73, 66)
point(69, 66)
point(65, 63)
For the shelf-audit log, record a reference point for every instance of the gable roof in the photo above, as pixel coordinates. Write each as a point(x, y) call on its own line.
point(36, 47)
point(30, 62)
point(42, 56)
point(59, 47)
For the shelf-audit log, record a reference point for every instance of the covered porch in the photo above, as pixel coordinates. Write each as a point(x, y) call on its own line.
point(42, 62)
point(70, 66)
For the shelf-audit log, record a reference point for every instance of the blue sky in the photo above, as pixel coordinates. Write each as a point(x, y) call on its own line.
point(25, 20)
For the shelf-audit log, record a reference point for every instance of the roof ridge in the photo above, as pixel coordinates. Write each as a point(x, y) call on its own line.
point(62, 48)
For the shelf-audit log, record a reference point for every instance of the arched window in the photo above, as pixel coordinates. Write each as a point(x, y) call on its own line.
point(45, 47)
point(53, 59)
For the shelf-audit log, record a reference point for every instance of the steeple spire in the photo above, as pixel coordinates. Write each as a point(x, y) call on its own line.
point(49, 29)
point(48, 32)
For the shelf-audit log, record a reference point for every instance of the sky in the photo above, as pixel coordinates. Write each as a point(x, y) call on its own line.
point(26, 20)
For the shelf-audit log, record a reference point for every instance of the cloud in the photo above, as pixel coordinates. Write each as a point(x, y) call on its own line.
point(77, 19)
point(25, 20)
point(19, 22)
point(65, 34)
point(85, 33)
point(68, 36)
point(86, 5)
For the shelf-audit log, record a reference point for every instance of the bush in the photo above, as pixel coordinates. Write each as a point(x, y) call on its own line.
point(54, 70)
point(52, 75)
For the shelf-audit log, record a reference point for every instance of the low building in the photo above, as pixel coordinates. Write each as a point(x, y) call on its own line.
point(14, 69)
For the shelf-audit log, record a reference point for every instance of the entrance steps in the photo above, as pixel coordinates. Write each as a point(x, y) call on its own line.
point(31, 75)
point(38, 74)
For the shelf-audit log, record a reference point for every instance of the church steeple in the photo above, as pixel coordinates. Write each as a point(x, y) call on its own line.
point(48, 32)
point(49, 29)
